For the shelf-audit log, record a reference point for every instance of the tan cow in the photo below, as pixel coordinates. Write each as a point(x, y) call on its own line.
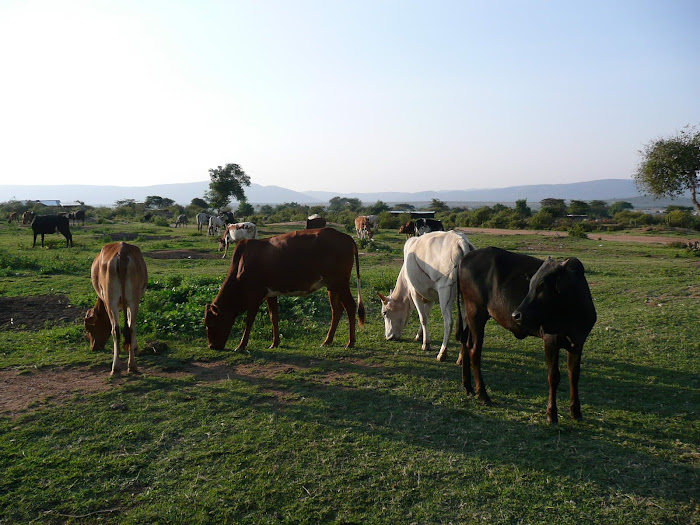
point(13, 216)
point(27, 217)
point(119, 277)
point(363, 227)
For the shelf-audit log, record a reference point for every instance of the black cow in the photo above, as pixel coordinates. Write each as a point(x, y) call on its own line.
point(424, 226)
point(315, 222)
point(43, 224)
point(77, 216)
point(528, 296)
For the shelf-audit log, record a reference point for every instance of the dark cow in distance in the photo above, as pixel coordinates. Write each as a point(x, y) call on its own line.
point(77, 216)
point(28, 217)
point(43, 224)
point(295, 263)
point(315, 221)
point(528, 296)
point(14, 217)
point(424, 226)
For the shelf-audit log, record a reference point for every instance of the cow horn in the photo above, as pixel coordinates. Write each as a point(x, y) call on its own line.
point(383, 298)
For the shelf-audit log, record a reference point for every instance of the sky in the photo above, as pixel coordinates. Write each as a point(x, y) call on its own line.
point(342, 95)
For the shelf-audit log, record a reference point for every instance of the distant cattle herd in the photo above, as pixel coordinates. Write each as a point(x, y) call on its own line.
point(547, 299)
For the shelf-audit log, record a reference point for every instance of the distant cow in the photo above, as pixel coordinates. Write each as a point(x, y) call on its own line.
point(295, 263)
point(428, 274)
point(119, 277)
point(227, 216)
point(315, 221)
point(202, 220)
point(43, 224)
point(237, 232)
point(363, 227)
point(14, 216)
point(27, 217)
point(409, 229)
point(181, 220)
point(215, 223)
point(77, 216)
point(528, 296)
point(424, 226)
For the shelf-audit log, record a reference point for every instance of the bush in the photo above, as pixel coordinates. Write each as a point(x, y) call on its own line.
point(577, 230)
point(541, 220)
point(161, 221)
point(679, 218)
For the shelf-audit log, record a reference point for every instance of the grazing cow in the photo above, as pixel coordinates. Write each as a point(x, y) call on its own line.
point(428, 274)
point(237, 232)
point(181, 220)
point(14, 216)
point(202, 219)
point(373, 222)
point(409, 229)
point(227, 216)
point(315, 221)
point(527, 296)
point(43, 224)
point(27, 217)
point(77, 216)
point(214, 224)
point(295, 263)
point(424, 226)
point(363, 227)
point(119, 277)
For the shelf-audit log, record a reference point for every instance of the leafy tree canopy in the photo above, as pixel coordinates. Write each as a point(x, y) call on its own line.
point(619, 206)
point(343, 203)
point(577, 207)
point(404, 206)
point(598, 209)
point(245, 208)
point(225, 183)
point(555, 207)
point(378, 207)
point(670, 166)
point(522, 209)
point(199, 203)
point(154, 201)
point(438, 205)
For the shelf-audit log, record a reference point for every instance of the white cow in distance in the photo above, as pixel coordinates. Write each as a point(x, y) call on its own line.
point(214, 224)
point(237, 232)
point(202, 220)
point(428, 274)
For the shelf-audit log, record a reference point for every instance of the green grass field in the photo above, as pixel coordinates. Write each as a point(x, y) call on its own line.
point(382, 433)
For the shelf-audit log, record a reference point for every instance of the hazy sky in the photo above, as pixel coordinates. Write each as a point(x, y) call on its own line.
point(342, 96)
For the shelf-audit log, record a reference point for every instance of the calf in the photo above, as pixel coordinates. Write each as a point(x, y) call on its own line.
point(424, 226)
point(409, 229)
point(315, 221)
point(237, 232)
point(214, 224)
point(428, 274)
point(43, 224)
point(527, 296)
point(363, 227)
point(119, 277)
point(202, 219)
point(181, 220)
point(295, 263)
point(27, 217)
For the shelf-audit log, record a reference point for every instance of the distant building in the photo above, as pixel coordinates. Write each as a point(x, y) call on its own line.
point(55, 203)
point(415, 214)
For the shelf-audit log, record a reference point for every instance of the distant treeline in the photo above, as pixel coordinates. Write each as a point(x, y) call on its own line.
point(575, 216)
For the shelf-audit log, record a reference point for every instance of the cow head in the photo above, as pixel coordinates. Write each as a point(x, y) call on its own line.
point(409, 228)
point(97, 327)
point(222, 243)
point(553, 296)
point(218, 323)
point(395, 313)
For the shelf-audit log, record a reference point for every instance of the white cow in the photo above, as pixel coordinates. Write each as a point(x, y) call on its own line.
point(237, 232)
point(428, 274)
point(202, 220)
point(214, 224)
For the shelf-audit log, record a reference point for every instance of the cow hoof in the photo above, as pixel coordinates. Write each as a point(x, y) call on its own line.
point(115, 373)
point(486, 401)
point(239, 348)
point(459, 360)
point(441, 356)
point(134, 370)
point(577, 417)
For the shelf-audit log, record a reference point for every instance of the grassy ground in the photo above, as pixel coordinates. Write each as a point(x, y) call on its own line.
point(381, 433)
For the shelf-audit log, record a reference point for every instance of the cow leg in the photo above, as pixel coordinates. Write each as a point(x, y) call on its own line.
point(446, 296)
point(116, 339)
point(573, 362)
point(250, 317)
point(34, 244)
point(42, 240)
point(132, 314)
point(466, 365)
point(336, 313)
point(423, 315)
point(551, 352)
point(273, 309)
point(476, 329)
point(350, 306)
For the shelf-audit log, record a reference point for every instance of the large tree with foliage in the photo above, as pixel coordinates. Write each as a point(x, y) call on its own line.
point(342, 203)
point(156, 201)
point(671, 166)
point(556, 207)
point(437, 205)
point(225, 183)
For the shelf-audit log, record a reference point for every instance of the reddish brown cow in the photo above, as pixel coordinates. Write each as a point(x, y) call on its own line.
point(14, 216)
point(363, 227)
point(119, 277)
point(409, 229)
point(295, 263)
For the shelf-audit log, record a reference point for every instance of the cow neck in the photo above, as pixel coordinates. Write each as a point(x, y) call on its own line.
point(224, 299)
point(401, 292)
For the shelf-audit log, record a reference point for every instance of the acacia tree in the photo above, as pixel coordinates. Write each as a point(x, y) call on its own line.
point(670, 166)
point(225, 183)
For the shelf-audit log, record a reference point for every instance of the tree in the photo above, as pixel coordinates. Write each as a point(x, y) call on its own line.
point(556, 207)
point(522, 209)
point(154, 201)
point(342, 203)
point(199, 203)
point(598, 209)
point(670, 166)
point(378, 207)
point(579, 207)
point(619, 206)
point(225, 183)
point(245, 208)
point(438, 205)
point(403, 206)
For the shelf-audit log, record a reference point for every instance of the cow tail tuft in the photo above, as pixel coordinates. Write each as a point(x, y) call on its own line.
point(360, 305)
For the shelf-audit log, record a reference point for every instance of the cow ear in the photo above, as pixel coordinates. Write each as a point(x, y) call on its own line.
point(383, 298)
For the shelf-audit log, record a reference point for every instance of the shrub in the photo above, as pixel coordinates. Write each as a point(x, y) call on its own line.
point(541, 220)
point(577, 230)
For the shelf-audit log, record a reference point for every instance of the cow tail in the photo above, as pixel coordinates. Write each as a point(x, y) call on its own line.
point(460, 335)
point(122, 263)
point(360, 305)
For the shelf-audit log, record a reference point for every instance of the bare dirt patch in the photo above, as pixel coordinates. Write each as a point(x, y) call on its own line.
point(180, 254)
point(32, 312)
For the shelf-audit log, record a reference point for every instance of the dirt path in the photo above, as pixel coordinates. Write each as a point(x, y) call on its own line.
point(642, 239)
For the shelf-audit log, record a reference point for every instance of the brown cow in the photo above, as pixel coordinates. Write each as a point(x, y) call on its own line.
point(119, 277)
point(363, 227)
point(295, 263)
point(27, 217)
point(13, 216)
point(315, 221)
point(409, 229)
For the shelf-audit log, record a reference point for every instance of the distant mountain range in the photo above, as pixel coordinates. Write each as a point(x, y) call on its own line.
point(606, 189)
